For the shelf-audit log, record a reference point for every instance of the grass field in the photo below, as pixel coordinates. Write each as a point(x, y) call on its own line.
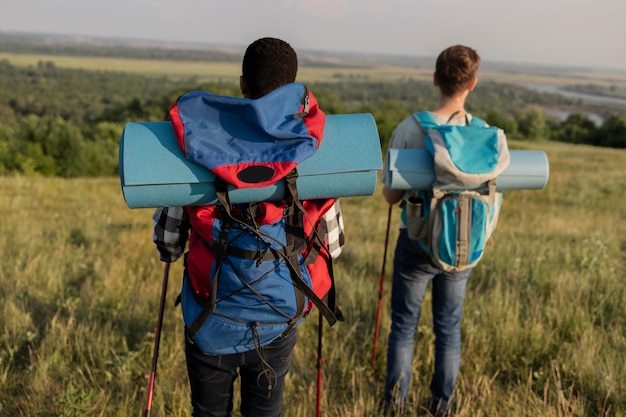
point(544, 326)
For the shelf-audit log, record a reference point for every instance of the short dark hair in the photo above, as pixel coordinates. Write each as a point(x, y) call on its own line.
point(456, 68)
point(268, 63)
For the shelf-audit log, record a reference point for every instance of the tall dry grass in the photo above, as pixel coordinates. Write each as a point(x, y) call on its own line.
point(544, 331)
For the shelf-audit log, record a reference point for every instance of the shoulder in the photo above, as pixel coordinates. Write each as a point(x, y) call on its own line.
point(409, 123)
point(408, 134)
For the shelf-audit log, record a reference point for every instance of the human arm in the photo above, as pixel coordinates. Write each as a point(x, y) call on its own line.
point(392, 196)
point(171, 230)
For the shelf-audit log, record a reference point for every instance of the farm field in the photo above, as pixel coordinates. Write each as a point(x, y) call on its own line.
point(544, 324)
point(372, 70)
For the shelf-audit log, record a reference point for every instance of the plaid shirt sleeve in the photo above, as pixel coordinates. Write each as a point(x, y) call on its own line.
point(335, 237)
point(171, 231)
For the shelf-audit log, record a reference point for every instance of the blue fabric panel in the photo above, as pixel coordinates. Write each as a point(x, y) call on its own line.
point(447, 241)
point(480, 214)
point(234, 336)
point(222, 130)
point(473, 150)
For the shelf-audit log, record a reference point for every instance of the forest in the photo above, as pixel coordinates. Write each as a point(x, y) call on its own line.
point(67, 122)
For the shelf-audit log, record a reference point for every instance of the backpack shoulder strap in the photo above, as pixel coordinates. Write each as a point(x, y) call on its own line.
point(477, 121)
point(426, 119)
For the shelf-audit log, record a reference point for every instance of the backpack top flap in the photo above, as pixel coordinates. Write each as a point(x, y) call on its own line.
point(465, 155)
point(249, 143)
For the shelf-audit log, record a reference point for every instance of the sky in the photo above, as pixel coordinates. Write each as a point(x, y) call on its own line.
point(573, 33)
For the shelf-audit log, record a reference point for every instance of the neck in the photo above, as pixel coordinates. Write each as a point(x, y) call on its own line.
point(450, 105)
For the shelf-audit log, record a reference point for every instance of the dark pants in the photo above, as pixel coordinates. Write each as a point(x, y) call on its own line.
point(262, 372)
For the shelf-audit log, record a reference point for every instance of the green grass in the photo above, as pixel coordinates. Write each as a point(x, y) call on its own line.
point(544, 331)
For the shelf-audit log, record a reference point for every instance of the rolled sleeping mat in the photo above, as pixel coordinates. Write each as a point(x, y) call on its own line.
point(155, 173)
point(413, 169)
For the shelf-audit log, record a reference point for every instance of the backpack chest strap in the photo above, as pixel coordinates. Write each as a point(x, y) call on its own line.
point(229, 250)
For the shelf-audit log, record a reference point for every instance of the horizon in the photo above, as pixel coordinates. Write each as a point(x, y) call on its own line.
point(240, 48)
point(563, 33)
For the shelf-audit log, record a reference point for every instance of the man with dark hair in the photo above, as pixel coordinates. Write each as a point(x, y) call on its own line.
point(455, 76)
point(268, 64)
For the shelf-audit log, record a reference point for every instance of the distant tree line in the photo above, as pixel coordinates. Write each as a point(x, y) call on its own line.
point(125, 49)
point(65, 45)
point(611, 90)
point(64, 122)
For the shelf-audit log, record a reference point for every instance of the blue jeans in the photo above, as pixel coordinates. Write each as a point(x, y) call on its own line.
point(411, 275)
point(262, 371)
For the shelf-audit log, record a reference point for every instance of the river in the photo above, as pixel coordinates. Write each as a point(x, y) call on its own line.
point(591, 98)
point(561, 115)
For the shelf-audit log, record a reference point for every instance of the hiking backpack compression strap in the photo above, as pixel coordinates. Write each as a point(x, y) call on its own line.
point(295, 223)
point(210, 306)
point(295, 244)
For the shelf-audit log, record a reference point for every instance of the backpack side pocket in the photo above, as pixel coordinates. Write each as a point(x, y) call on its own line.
point(459, 231)
point(415, 220)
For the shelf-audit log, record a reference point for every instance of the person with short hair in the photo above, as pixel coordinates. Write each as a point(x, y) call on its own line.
point(268, 64)
point(455, 76)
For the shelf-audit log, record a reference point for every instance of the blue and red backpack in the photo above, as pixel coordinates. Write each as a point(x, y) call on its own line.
point(253, 271)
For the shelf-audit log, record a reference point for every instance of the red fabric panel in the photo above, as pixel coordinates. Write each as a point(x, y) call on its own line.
point(315, 120)
point(229, 173)
point(177, 125)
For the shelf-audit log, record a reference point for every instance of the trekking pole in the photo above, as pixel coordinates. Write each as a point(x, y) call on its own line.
point(380, 291)
point(157, 339)
point(319, 365)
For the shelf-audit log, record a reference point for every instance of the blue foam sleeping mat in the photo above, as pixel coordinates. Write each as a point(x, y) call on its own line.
point(413, 169)
point(154, 172)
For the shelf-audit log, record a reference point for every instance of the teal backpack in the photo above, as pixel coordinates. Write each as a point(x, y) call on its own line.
point(454, 220)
